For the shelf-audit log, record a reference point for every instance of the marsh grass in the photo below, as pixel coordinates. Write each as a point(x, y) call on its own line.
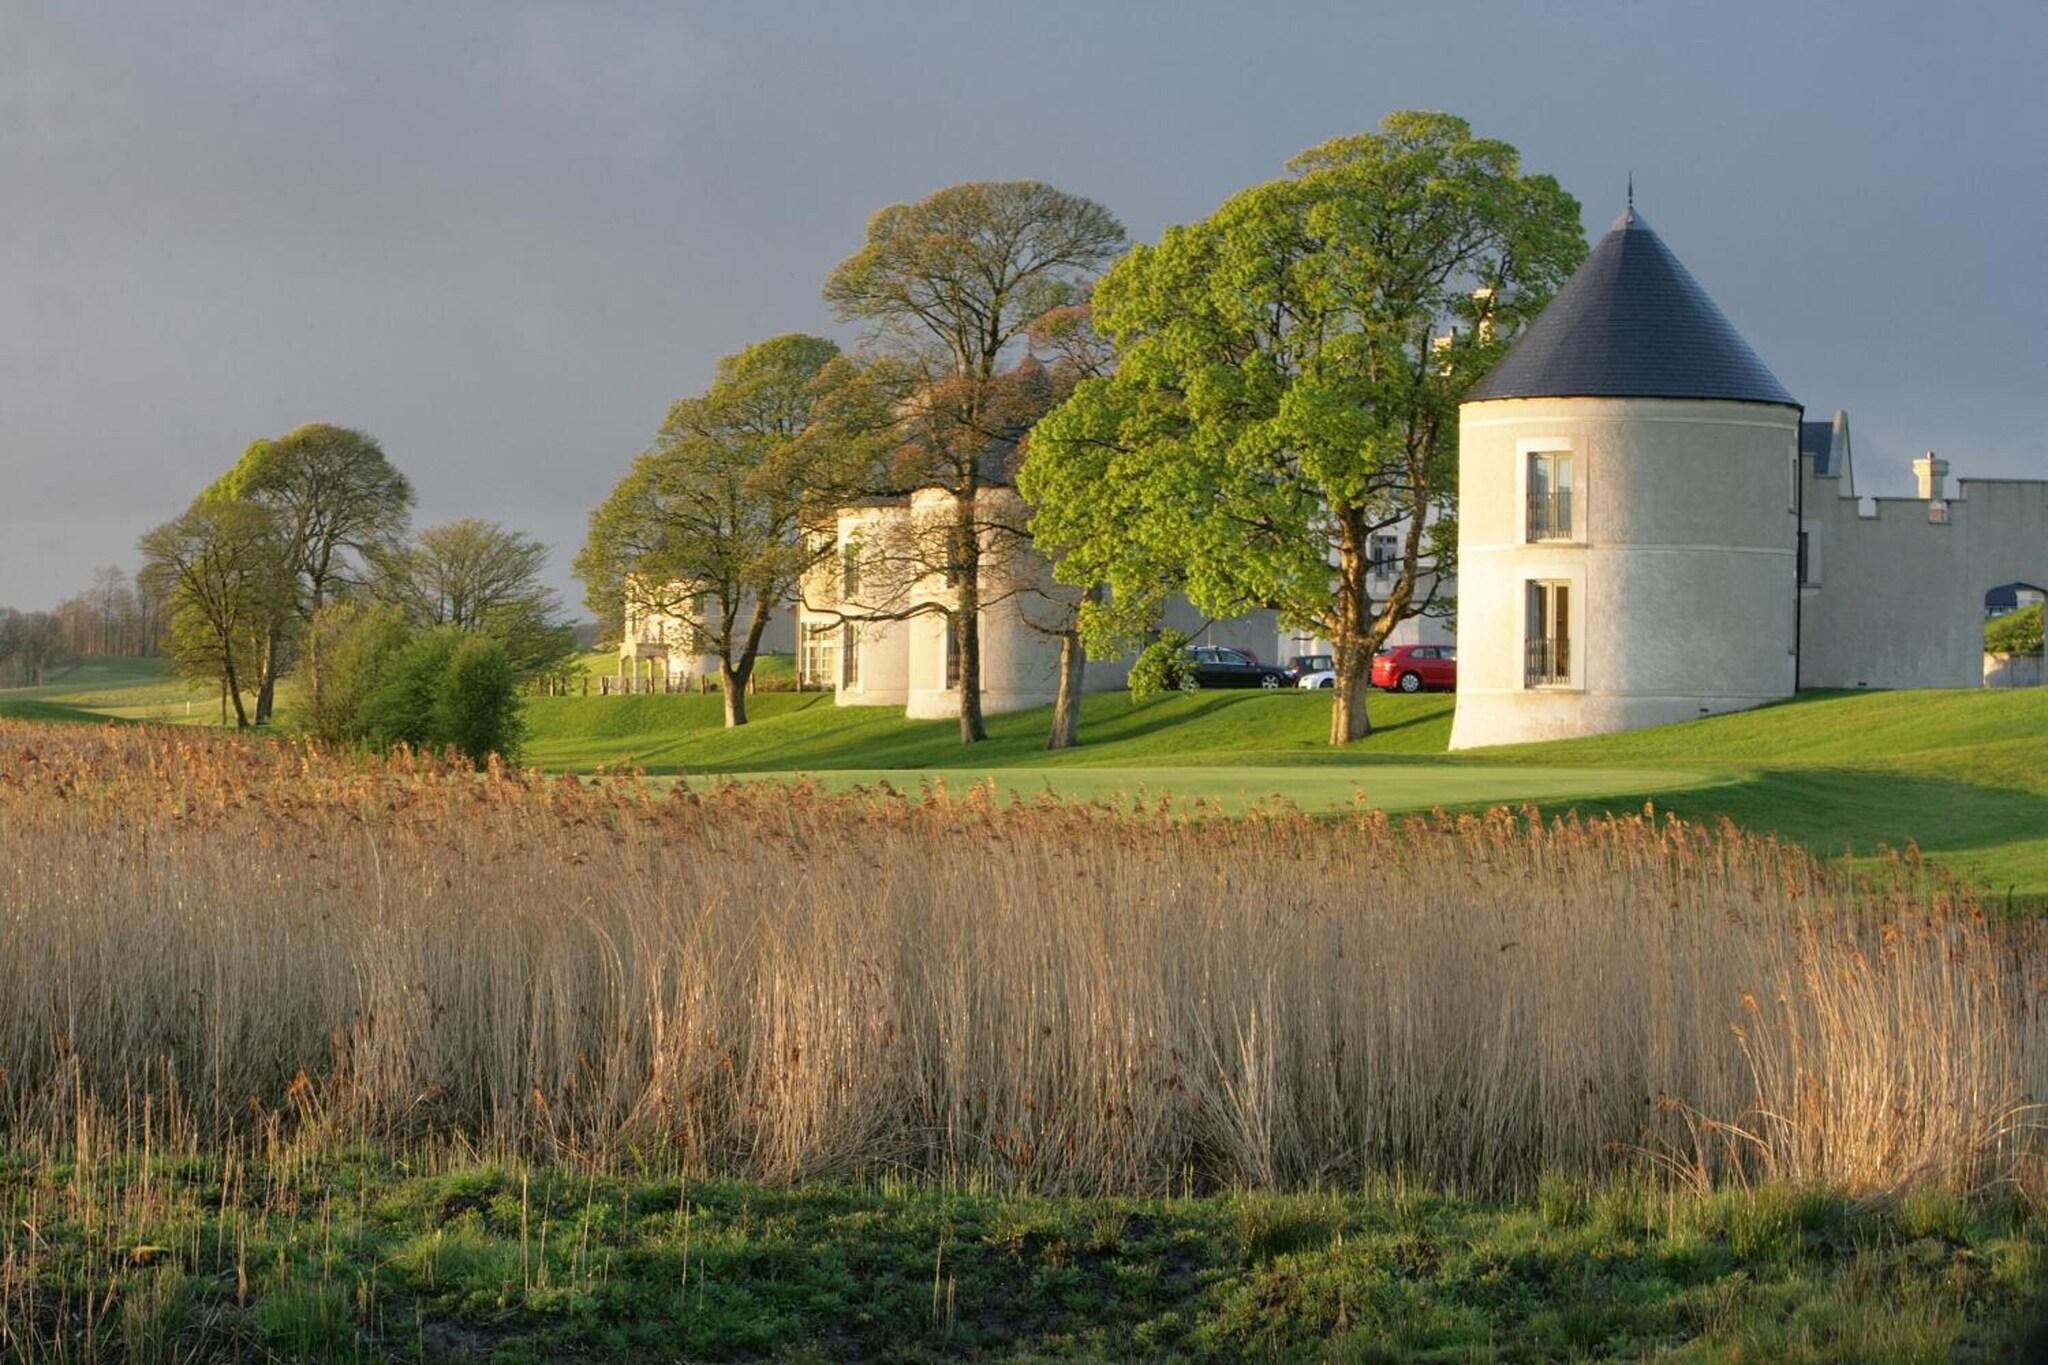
point(207, 943)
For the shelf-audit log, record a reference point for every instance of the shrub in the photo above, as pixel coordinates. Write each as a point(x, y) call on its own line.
point(446, 688)
point(1162, 667)
point(353, 643)
point(2017, 632)
point(476, 701)
point(400, 707)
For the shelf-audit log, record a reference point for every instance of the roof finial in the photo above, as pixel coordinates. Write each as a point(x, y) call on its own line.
point(1631, 192)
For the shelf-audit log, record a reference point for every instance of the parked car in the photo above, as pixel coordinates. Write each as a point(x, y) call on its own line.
point(1215, 666)
point(1411, 668)
point(1301, 665)
point(1316, 681)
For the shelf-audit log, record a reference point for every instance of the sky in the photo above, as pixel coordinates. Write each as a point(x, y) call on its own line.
point(502, 237)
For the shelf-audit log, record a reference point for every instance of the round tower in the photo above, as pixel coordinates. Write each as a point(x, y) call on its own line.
point(1627, 528)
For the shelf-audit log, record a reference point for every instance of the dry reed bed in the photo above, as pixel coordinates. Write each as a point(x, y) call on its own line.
point(781, 984)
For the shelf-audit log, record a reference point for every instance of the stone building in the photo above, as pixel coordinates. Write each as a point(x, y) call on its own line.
point(659, 650)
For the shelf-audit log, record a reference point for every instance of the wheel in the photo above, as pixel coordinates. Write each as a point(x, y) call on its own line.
point(1269, 682)
point(1411, 682)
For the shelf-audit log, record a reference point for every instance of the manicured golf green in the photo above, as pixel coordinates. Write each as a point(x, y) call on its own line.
point(1385, 786)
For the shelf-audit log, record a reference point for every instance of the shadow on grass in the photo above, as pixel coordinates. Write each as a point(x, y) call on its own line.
point(57, 712)
point(1995, 838)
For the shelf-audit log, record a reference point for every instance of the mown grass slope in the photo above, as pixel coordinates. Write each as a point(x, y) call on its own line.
point(1962, 774)
point(123, 688)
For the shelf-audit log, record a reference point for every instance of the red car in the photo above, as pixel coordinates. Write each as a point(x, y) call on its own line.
point(1410, 668)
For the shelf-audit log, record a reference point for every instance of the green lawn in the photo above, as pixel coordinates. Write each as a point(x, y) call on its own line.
point(127, 689)
point(352, 1255)
point(1964, 774)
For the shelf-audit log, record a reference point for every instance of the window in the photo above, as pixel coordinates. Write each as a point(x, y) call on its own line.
point(849, 568)
point(1382, 553)
point(1804, 576)
point(818, 661)
point(952, 655)
point(849, 655)
point(1550, 495)
point(1548, 637)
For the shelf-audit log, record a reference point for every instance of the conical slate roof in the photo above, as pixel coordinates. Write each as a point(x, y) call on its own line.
point(1632, 323)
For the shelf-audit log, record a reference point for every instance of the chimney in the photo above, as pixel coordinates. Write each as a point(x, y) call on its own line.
point(1929, 471)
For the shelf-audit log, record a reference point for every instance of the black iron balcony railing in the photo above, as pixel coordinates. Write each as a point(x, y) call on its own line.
point(1547, 663)
point(1550, 515)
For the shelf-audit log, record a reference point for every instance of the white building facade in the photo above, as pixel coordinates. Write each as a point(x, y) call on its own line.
point(1649, 531)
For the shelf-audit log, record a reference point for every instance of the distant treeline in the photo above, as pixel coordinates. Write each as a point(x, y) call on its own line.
point(113, 616)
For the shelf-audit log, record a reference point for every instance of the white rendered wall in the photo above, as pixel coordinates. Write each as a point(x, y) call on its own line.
point(1896, 598)
point(883, 677)
point(1681, 567)
point(1020, 657)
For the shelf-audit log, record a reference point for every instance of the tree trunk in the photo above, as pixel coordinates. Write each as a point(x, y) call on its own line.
point(967, 624)
point(266, 686)
point(734, 677)
point(1349, 719)
point(734, 683)
point(1066, 706)
point(313, 662)
point(234, 689)
point(967, 620)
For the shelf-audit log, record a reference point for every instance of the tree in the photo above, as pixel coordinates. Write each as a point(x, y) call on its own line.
point(224, 568)
point(30, 643)
point(478, 576)
point(339, 501)
point(951, 282)
point(1288, 374)
point(708, 526)
point(113, 604)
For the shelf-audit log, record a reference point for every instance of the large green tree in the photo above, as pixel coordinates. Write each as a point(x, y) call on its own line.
point(339, 501)
point(224, 571)
point(708, 526)
point(1286, 388)
point(951, 283)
